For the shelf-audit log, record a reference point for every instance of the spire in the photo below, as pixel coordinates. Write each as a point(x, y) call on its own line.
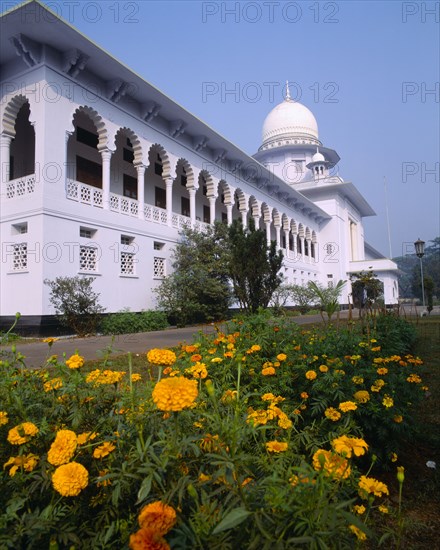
point(287, 91)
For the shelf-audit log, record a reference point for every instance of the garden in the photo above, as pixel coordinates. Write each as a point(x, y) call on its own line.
point(263, 435)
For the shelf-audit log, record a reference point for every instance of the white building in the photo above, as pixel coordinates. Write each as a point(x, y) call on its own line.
point(100, 171)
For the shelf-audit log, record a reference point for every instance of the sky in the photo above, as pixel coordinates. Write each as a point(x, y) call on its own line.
point(369, 71)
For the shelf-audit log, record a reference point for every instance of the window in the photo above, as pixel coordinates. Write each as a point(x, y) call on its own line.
point(205, 190)
point(183, 178)
point(127, 263)
point(130, 187)
point(298, 244)
point(306, 247)
point(160, 197)
point(224, 217)
point(19, 261)
point(127, 155)
point(88, 172)
point(158, 246)
point(88, 258)
point(329, 280)
point(126, 240)
point(159, 268)
point(86, 233)
point(86, 137)
point(206, 214)
point(185, 207)
point(19, 228)
point(158, 167)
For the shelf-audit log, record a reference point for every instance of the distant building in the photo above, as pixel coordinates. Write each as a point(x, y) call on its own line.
point(100, 172)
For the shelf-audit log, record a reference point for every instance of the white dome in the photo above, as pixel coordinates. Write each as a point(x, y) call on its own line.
point(318, 157)
point(290, 120)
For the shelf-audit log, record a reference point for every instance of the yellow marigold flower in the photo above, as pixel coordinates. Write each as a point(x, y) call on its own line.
point(359, 509)
point(257, 417)
point(349, 446)
point(228, 396)
point(70, 479)
point(332, 464)
point(414, 378)
point(382, 370)
point(175, 394)
point(3, 418)
point(383, 509)
point(228, 354)
point(83, 438)
point(276, 446)
point(75, 361)
point(347, 406)
point(373, 340)
point(199, 370)
point(26, 462)
point(362, 396)
point(358, 532)
point(136, 377)
point(369, 485)
point(387, 401)
point(281, 357)
point(203, 478)
point(394, 457)
point(157, 516)
point(210, 443)
point(357, 380)
point(311, 375)
point(323, 368)
point(104, 450)
point(63, 448)
point(147, 539)
point(268, 371)
point(22, 433)
point(272, 398)
point(161, 357)
point(216, 360)
point(54, 384)
point(376, 348)
point(104, 482)
point(284, 421)
point(332, 414)
point(98, 377)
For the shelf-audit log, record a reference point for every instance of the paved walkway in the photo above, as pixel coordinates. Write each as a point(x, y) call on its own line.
point(37, 352)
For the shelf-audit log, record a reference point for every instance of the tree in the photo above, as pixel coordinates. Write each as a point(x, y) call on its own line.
point(304, 297)
point(198, 289)
point(75, 303)
point(328, 298)
point(366, 289)
point(253, 266)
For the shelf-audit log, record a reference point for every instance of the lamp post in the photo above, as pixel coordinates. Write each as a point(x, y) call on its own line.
point(419, 245)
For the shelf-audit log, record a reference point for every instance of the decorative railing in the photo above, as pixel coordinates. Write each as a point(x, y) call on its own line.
point(84, 193)
point(180, 222)
point(20, 186)
point(155, 214)
point(124, 205)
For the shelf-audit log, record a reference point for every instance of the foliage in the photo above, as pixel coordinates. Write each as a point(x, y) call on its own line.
point(328, 298)
point(304, 297)
point(236, 459)
point(198, 289)
point(75, 303)
point(127, 321)
point(366, 289)
point(253, 266)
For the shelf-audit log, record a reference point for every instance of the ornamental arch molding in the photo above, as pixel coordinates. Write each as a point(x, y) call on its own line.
point(184, 168)
point(135, 143)
point(165, 160)
point(10, 114)
point(98, 122)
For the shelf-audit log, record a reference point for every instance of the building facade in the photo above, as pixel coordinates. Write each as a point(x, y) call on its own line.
point(101, 171)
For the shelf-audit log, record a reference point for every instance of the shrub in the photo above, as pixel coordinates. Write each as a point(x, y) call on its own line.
point(127, 321)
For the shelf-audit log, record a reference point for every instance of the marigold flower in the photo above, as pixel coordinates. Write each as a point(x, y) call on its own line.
point(228, 396)
point(175, 394)
point(161, 357)
point(63, 448)
point(27, 462)
point(311, 375)
point(304, 395)
point(358, 532)
point(398, 418)
point(228, 354)
point(376, 348)
point(3, 418)
point(382, 370)
point(268, 371)
point(50, 341)
point(400, 474)
point(284, 421)
point(414, 378)
point(359, 509)
point(147, 539)
point(85, 437)
point(357, 380)
point(387, 401)
point(394, 457)
point(369, 485)
point(22, 433)
point(362, 396)
point(332, 464)
point(98, 377)
point(158, 517)
point(104, 450)
point(347, 406)
point(332, 414)
point(54, 384)
point(349, 446)
point(199, 370)
point(281, 357)
point(75, 361)
point(216, 360)
point(70, 479)
point(276, 446)
point(196, 357)
point(323, 368)
point(136, 377)
point(383, 509)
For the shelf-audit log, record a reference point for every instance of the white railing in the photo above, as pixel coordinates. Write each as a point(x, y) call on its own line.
point(124, 205)
point(180, 222)
point(84, 193)
point(155, 214)
point(20, 186)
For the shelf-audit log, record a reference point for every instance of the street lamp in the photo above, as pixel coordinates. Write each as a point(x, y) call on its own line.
point(419, 245)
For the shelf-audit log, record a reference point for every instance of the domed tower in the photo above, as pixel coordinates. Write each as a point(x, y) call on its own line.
point(290, 144)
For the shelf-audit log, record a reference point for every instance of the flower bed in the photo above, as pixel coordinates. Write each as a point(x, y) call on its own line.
point(261, 436)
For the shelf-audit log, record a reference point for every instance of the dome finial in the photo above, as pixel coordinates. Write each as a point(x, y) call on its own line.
point(287, 91)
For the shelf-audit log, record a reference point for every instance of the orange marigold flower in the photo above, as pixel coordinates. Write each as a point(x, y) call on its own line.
point(198, 370)
point(63, 448)
point(332, 414)
point(228, 396)
point(311, 375)
point(85, 437)
point(281, 357)
point(161, 357)
point(268, 371)
point(332, 464)
point(54, 384)
point(22, 433)
point(104, 450)
point(3, 418)
point(382, 370)
point(147, 539)
point(414, 378)
point(304, 395)
point(398, 418)
point(196, 357)
point(362, 396)
point(323, 368)
point(157, 516)
point(26, 462)
point(70, 479)
point(349, 446)
point(75, 361)
point(347, 406)
point(276, 446)
point(175, 394)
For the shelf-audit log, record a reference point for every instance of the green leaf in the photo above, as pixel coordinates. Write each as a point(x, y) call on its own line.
point(232, 519)
point(144, 490)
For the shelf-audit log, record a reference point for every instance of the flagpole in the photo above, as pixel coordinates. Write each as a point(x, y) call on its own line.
point(388, 217)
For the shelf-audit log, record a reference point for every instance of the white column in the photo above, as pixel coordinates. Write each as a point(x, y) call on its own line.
point(229, 213)
point(244, 217)
point(106, 155)
point(295, 246)
point(211, 209)
point(5, 153)
point(278, 236)
point(169, 199)
point(140, 169)
point(192, 205)
point(309, 249)
point(286, 236)
point(302, 248)
point(268, 239)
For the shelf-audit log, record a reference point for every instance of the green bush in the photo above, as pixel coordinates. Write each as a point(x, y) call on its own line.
point(125, 322)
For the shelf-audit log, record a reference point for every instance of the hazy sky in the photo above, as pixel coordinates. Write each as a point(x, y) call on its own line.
point(369, 71)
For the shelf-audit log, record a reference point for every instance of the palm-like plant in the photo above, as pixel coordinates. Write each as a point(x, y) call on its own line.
point(328, 297)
